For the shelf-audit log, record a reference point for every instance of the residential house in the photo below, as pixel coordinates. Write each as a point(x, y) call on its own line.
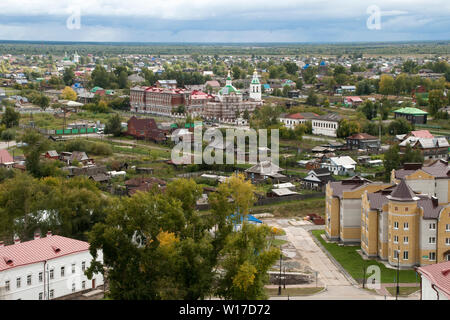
point(80, 157)
point(413, 115)
point(52, 154)
point(326, 125)
point(363, 141)
point(264, 170)
point(344, 165)
point(46, 268)
point(317, 179)
point(435, 281)
point(6, 160)
point(430, 148)
point(145, 129)
point(352, 101)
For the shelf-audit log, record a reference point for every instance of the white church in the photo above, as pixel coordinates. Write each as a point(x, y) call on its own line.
point(230, 103)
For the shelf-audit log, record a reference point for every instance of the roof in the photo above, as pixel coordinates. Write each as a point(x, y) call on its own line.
point(5, 157)
point(283, 192)
point(39, 250)
point(330, 117)
point(264, 168)
point(431, 208)
point(425, 143)
point(439, 275)
point(346, 185)
point(354, 99)
point(52, 153)
point(343, 161)
point(410, 110)
point(402, 192)
point(422, 134)
point(362, 136)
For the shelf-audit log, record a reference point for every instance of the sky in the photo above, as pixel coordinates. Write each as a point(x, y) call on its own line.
point(225, 20)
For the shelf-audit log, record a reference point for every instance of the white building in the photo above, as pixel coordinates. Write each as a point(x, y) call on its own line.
point(45, 268)
point(435, 281)
point(326, 125)
point(255, 88)
point(340, 165)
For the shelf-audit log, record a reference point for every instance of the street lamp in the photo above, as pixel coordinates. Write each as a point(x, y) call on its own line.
point(281, 261)
point(397, 292)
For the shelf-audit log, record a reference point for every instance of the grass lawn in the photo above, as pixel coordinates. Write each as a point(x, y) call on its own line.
point(296, 208)
point(272, 292)
point(278, 242)
point(404, 291)
point(351, 261)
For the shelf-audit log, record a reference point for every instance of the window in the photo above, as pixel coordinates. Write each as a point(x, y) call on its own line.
point(83, 266)
point(396, 223)
point(395, 239)
point(73, 268)
point(18, 282)
point(63, 271)
point(406, 209)
point(41, 295)
point(7, 285)
point(447, 227)
point(406, 226)
point(29, 280)
point(405, 240)
point(396, 208)
point(73, 287)
point(40, 276)
point(432, 240)
point(405, 255)
point(52, 274)
point(395, 254)
point(432, 256)
point(52, 293)
point(83, 285)
point(447, 241)
point(432, 226)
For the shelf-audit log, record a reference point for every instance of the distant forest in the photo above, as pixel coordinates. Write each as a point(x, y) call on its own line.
point(109, 49)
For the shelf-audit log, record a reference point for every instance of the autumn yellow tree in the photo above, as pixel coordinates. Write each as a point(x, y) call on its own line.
point(69, 94)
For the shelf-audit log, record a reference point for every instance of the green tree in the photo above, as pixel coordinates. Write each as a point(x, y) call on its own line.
point(68, 76)
point(10, 118)
point(312, 98)
point(386, 85)
point(247, 258)
point(436, 100)
point(114, 125)
point(347, 128)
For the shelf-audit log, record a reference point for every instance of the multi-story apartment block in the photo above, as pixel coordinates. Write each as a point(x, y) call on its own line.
point(343, 207)
point(45, 268)
point(406, 222)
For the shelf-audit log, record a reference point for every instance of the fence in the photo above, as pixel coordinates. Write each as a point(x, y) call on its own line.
point(61, 131)
point(267, 201)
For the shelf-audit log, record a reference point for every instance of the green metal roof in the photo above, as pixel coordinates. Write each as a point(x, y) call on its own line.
point(229, 89)
point(409, 110)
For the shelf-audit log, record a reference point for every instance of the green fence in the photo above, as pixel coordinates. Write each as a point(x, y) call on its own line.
point(75, 131)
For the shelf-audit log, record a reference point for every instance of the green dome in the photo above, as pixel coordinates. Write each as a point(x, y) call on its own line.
point(229, 89)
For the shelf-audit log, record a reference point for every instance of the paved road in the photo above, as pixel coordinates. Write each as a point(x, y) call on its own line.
point(4, 145)
point(338, 286)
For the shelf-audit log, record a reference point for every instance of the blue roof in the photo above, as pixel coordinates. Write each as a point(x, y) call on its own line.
point(248, 217)
point(306, 66)
point(266, 86)
point(322, 63)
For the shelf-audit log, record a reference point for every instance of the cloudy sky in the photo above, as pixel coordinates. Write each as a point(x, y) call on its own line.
point(225, 20)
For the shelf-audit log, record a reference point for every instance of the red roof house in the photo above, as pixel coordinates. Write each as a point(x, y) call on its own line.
point(437, 278)
point(38, 250)
point(5, 157)
point(145, 129)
